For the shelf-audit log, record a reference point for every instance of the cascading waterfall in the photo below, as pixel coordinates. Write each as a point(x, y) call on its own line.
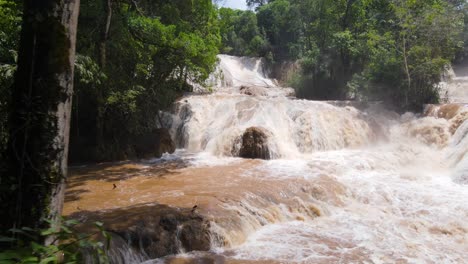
point(459, 154)
point(345, 184)
point(214, 123)
point(396, 181)
point(237, 71)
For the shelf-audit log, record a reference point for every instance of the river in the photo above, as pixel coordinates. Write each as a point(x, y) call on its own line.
point(346, 182)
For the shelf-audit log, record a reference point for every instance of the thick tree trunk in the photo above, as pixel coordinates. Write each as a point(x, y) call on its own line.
point(40, 114)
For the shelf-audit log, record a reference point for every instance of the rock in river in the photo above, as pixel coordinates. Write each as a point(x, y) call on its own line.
point(255, 144)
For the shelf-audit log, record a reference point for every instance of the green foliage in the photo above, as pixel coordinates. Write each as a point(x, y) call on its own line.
point(240, 33)
point(10, 21)
point(69, 246)
point(408, 54)
point(256, 3)
point(373, 49)
point(87, 72)
point(155, 50)
point(279, 21)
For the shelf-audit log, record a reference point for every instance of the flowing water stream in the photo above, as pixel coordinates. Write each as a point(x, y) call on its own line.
point(346, 183)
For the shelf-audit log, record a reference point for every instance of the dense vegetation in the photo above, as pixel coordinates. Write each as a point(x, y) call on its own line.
point(135, 57)
point(10, 25)
point(153, 50)
point(241, 35)
point(374, 49)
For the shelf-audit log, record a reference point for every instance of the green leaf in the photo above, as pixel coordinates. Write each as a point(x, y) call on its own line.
point(16, 231)
point(30, 259)
point(28, 229)
point(9, 255)
point(71, 222)
point(7, 239)
point(37, 247)
point(52, 259)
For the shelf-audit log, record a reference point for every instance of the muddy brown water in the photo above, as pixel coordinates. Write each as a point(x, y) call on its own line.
point(232, 197)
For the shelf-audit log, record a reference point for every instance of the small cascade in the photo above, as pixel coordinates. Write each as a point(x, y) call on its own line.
point(454, 89)
point(241, 71)
point(458, 154)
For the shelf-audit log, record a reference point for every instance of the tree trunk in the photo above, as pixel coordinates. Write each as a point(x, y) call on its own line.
point(102, 47)
point(344, 19)
point(40, 114)
point(407, 72)
point(105, 33)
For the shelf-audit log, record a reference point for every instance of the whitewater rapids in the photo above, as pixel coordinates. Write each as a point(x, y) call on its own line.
point(347, 183)
point(402, 179)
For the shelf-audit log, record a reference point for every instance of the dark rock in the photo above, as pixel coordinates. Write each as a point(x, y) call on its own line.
point(255, 144)
point(169, 223)
point(193, 236)
point(185, 113)
point(154, 144)
point(157, 230)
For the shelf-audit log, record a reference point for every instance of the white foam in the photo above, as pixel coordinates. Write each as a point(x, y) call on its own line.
point(413, 213)
point(403, 200)
point(239, 71)
point(215, 122)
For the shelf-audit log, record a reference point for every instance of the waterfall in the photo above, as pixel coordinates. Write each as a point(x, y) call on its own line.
point(238, 71)
point(375, 185)
point(344, 183)
point(247, 98)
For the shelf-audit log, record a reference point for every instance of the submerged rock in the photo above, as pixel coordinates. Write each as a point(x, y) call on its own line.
point(429, 131)
point(446, 111)
point(255, 144)
point(154, 144)
point(253, 90)
point(455, 113)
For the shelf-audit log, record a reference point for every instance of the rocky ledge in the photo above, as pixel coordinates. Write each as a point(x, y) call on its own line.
point(157, 230)
point(154, 144)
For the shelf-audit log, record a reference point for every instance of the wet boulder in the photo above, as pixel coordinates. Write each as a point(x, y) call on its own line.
point(254, 144)
point(253, 90)
point(289, 92)
point(157, 230)
point(154, 144)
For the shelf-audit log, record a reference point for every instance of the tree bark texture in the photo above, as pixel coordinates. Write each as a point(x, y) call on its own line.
point(105, 33)
point(102, 50)
point(40, 114)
